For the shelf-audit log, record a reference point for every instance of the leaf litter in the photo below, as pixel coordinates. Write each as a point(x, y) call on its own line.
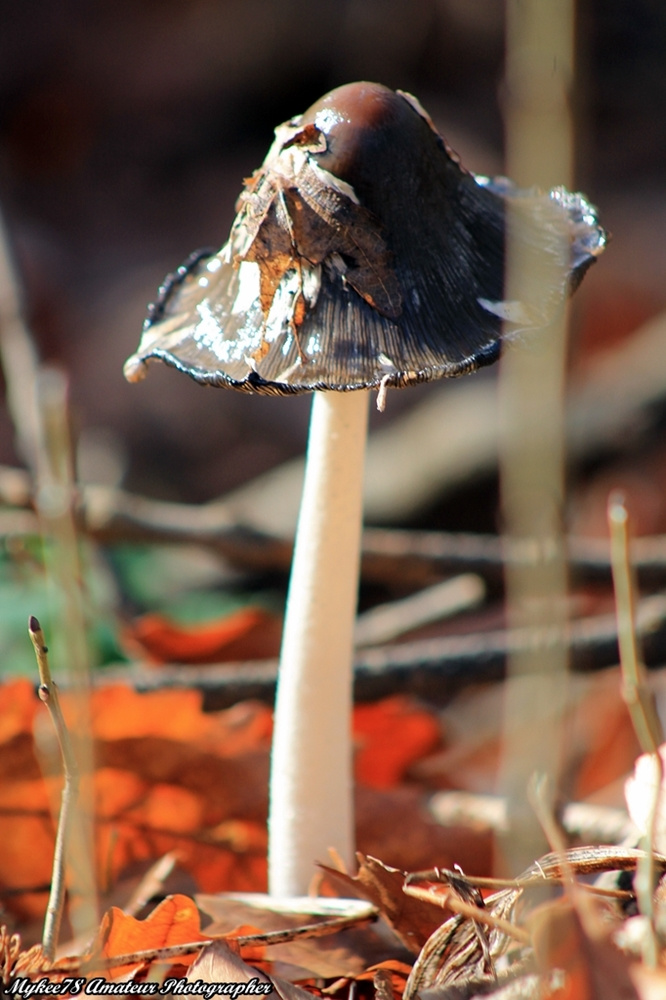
point(161, 756)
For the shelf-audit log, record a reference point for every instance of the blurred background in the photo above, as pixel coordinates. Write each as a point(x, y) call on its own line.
point(126, 130)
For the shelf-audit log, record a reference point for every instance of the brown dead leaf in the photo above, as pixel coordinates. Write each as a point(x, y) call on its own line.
point(394, 824)
point(217, 963)
point(580, 945)
point(344, 953)
point(601, 745)
point(117, 791)
point(397, 972)
point(412, 919)
point(603, 733)
point(18, 761)
point(161, 763)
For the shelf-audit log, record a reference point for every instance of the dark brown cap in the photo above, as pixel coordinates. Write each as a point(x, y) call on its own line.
point(362, 255)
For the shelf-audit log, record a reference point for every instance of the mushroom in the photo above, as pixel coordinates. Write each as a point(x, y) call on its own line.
point(362, 256)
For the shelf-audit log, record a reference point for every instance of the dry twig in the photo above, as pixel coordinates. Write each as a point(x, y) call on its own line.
point(48, 692)
point(430, 668)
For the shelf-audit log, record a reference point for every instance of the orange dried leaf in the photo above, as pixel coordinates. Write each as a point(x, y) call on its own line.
point(27, 835)
point(248, 634)
point(245, 727)
point(119, 711)
point(579, 944)
point(174, 921)
point(398, 972)
point(390, 736)
point(345, 952)
point(18, 704)
point(116, 791)
point(168, 808)
point(604, 732)
point(252, 953)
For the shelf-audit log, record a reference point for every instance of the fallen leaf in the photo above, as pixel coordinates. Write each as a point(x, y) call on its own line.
point(18, 705)
point(346, 952)
point(217, 963)
point(413, 920)
point(248, 634)
point(174, 921)
point(395, 825)
point(25, 819)
point(579, 944)
point(119, 711)
point(602, 735)
point(601, 745)
point(398, 972)
point(389, 736)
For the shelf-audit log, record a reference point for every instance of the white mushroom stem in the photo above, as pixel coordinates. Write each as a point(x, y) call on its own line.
point(311, 772)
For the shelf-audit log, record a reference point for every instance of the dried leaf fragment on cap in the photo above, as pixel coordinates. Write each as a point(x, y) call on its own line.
point(363, 255)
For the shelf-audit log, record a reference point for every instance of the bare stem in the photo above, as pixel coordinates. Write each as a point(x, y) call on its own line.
point(311, 776)
point(48, 692)
point(635, 689)
point(532, 416)
point(639, 701)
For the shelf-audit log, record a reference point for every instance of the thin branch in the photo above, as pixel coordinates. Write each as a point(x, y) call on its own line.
point(386, 622)
point(305, 932)
point(48, 692)
point(585, 821)
point(416, 558)
point(449, 900)
point(430, 668)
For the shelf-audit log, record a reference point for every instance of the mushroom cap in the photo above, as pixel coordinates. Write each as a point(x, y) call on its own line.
point(362, 255)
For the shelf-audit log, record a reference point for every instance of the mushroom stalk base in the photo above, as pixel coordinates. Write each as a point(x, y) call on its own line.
point(311, 769)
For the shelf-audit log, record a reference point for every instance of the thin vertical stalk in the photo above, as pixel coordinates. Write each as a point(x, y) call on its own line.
point(55, 497)
point(640, 704)
point(37, 400)
point(311, 767)
point(539, 71)
point(48, 692)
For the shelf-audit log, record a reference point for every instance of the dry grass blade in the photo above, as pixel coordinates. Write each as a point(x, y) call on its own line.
point(10, 947)
point(639, 700)
point(48, 692)
point(635, 691)
point(584, 822)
